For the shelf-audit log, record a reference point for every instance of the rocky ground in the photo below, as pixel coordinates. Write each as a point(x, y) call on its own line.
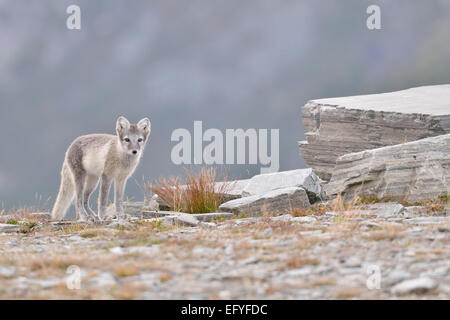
point(308, 254)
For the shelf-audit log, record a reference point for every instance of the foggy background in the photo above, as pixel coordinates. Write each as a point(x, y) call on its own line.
point(231, 64)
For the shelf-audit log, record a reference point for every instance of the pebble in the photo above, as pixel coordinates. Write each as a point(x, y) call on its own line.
point(415, 286)
point(104, 279)
point(267, 232)
point(304, 219)
point(7, 272)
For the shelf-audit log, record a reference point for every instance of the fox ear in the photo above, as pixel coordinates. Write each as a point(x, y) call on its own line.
point(144, 124)
point(121, 124)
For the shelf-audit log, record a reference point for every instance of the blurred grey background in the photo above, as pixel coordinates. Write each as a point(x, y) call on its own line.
point(231, 64)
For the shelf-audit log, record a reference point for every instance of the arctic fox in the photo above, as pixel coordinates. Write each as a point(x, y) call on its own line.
point(104, 157)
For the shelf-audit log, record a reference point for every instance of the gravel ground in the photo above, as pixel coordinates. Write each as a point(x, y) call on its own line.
point(377, 252)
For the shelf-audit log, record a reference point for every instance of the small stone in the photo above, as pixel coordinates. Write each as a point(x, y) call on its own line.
point(153, 205)
point(75, 238)
point(186, 220)
point(251, 260)
point(371, 225)
point(200, 251)
point(410, 253)
point(283, 217)
point(7, 272)
point(229, 250)
point(353, 262)
point(304, 271)
point(104, 279)
point(333, 213)
point(267, 232)
point(121, 224)
point(208, 224)
point(396, 276)
point(9, 227)
point(116, 250)
point(415, 286)
point(225, 295)
point(146, 250)
point(304, 219)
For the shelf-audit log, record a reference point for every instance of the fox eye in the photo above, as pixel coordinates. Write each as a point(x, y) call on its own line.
point(140, 140)
point(126, 140)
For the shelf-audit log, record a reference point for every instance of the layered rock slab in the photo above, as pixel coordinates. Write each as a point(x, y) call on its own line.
point(339, 126)
point(278, 200)
point(411, 172)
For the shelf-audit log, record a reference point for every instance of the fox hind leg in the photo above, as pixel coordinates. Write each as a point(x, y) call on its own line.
point(80, 180)
point(90, 186)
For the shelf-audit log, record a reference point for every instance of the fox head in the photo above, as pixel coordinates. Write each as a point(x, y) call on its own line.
point(133, 137)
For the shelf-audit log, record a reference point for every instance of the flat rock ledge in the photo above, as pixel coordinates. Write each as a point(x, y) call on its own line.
point(339, 126)
point(410, 172)
point(278, 200)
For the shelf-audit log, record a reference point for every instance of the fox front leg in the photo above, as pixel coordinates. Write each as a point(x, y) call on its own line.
point(119, 190)
point(105, 187)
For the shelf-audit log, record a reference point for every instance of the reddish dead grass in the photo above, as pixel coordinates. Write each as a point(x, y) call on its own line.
point(125, 270)
point(388, 232)
point(199, 194)
point(336, 205)
point(297, 262)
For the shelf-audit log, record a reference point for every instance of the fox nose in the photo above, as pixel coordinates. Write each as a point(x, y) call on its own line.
point(134, 151)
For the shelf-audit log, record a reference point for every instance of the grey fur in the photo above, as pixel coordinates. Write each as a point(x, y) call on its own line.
point(100, 157)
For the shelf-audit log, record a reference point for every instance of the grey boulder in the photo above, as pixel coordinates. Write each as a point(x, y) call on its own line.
point(303, 178)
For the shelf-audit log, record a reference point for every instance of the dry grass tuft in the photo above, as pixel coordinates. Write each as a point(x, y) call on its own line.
point(297, 262)
point(163, 277)
point(125, 270)
point(199, 194)
point(315, 210)
point(389, 232)
point(347, 293)
point(52, 263)
point(340, 205)
point(322, 281)
point(128, 291)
